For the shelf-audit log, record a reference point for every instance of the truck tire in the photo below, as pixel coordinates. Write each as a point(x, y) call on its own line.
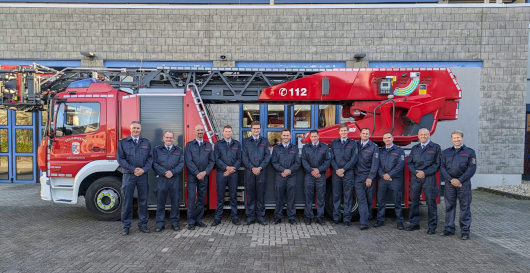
point(329, 204)
point(103, 198)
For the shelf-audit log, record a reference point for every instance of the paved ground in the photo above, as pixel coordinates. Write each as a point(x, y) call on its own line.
point(37, 236)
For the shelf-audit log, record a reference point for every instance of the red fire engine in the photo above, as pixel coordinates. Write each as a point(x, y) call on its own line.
point(87, 117)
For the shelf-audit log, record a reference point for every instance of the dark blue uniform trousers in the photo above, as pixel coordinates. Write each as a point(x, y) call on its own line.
point(342, 185)
point(129, 182)
point(312, 184)
point(196, 205)
point(255, 195)
point(164, 187)
point(463, 195)
point(222, 182)
point(365, 195)
point(396, 187)
point(284, 188)
point(430, 189)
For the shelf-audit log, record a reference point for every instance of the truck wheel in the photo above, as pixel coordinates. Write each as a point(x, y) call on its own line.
point(329, 204)
point(103, 198)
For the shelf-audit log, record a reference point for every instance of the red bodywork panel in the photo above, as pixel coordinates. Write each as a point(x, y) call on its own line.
point(69, 153)
point(417, 93)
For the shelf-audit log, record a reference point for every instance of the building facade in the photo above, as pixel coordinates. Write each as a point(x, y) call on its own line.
point(487, 45)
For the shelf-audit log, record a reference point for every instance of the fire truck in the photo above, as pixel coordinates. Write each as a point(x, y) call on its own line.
point(89, 110)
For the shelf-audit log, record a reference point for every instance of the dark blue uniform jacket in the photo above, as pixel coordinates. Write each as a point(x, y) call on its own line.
point(316, 157)
point(197, 158)
point(368, 161)
point(172, 160)
point(391, 161)
point(460, 164)
point(132, 156)
point(343, 156)
point(256, 154)
point(285, 158)
point(227, 155)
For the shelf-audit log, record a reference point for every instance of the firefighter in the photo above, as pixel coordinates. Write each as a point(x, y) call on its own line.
point(391, 166)
point(365, 172)
point(227, 160)
point(199, 159)
point(423, 162)
point(256, 156)
point(168, 164)
point(286, 162)
point(457, 167)
point(134, 157)
point(343, 159)
point(315, 161)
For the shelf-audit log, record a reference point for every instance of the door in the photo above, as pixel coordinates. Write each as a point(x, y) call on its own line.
point(80, 135)
point(17, 147)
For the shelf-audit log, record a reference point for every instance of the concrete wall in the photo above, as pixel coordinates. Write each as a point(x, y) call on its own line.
point(498, 36)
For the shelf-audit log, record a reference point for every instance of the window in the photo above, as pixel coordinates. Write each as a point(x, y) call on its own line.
point(77, 118)
point(302, 116)
point(327, 115)
point(275, 116)
point(250, 114)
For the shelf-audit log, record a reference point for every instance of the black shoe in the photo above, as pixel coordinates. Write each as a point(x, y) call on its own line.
point(125, 231)
point(144, 229)
point(262, 222)
point(431, 231)
point(411, 228)
point(400, 226)
point(465, 236)
point(191, 227)
point(320, 221)
point(292, 221)
point(364, 227)
point(216, 222)
point(250, 222)
point(335, 222)
point(379, 224)
point(236, 222)
point(447, 233)
point(201, 224)
point(348, 224)
point(158, 229)
point(277, 221)
point(307, 221)
point(175, 228)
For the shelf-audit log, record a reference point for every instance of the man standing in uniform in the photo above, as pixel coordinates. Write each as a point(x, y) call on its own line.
point(343, 159)
point(365, 172)
point(423, 162)
point(457, 167)
point(199, 159)
point(168, 164)
point(228, 160)
point(315, 160)
point(256, 156)
point(134, 157)
point(391, 166)
point(286, 162)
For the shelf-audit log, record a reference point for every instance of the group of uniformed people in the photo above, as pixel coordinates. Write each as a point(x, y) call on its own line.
point(355, 167)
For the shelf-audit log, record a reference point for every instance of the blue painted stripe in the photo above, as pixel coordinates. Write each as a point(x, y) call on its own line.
point(427, 64)
point(292, 64)
point(144, 1)
point(54, 63)
point(154, 64)
point(351, 1)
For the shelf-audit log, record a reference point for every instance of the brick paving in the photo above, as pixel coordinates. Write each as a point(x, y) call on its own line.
point(38, 236)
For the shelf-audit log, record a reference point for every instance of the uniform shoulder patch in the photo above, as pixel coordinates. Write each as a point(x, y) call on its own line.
point(473, 161)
